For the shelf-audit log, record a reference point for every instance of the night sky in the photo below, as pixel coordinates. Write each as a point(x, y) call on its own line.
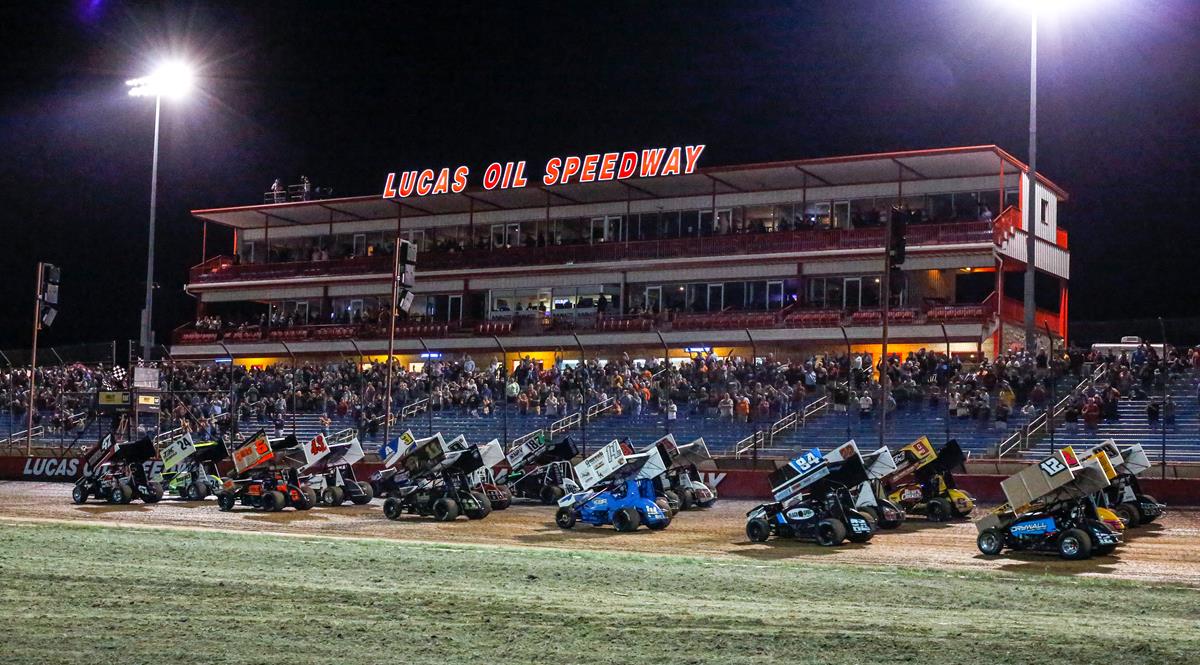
point(344, 92)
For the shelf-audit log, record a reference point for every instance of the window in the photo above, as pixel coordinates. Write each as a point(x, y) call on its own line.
point(1045, 210)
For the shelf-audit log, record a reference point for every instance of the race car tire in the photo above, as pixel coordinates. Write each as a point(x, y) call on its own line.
point(392, 508)
point(502, 504)
point(226, 501)
point(122, 493)
point(1074, 544)
point(674, 501)
point(664, 504)
point(862, 537)
point(1128, 517)
point(1135, 510)
point(870, 512)
point(79, 495)
point(1146, 519)
point(273, 501)
point(659, 525)
point(202, 491)
point(445, 509)
point(364, 495)
point(626, 520)
point(687, 499)
point(565, 518)
point(155, 493)
point(938, 510)
point(896, 510)
point(990, 542)
point(311, 495)
point(304, 500)
point(758, 530)
point(485, 507)
point(550, 494)
point(830, 532)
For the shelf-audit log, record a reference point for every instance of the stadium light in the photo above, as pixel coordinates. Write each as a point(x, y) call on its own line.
point(172, 80)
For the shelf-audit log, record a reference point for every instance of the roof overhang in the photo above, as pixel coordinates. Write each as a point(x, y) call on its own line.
point(915, 165)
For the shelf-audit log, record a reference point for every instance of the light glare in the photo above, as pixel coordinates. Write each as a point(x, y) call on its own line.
point(172, 80)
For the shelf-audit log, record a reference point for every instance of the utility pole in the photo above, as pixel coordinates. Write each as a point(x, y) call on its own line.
point(37, 325)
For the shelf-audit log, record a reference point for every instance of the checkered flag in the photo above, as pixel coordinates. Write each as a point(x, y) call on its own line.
point(114, 379)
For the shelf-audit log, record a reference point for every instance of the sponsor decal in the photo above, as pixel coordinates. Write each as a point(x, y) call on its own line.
point(1033, 527)
point(1052, 466)
point(859, 526)
point(800, 514)
point(53, 467)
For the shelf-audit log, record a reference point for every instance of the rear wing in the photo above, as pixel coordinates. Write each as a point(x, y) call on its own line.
point(101, 452)
point(846, 467)
point(912, 457)
point(176, 451)
point(135, 452)
point(879, 463)
point(538, 452)
point(611, 463)
point(800, 472)
point(950, 457)
point(210, 451)
point(492, 453)
point(253, 452)
point(1059, 477)
point(390, 452)
point(692, 454)
point(321, 453)
point(1133, 460)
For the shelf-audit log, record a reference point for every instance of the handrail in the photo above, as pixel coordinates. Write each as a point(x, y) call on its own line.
point(755, 440)
point(1023, 438)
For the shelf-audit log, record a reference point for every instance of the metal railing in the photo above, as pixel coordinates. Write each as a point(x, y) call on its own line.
point(1028, 434)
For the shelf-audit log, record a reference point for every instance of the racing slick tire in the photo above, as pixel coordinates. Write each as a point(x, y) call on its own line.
point(79, 495)
point(939, 510)
point(310, 494)
point(885, 523)
point(502, 504)
point(226, 501)
point(301, 499)
point(550, 494)
point(273, 501)
point(565, 518)
point(1074, 545)
point(674, 501)
point(202, 491)
point(870, 512)
point(830, 532)
point(191, 492)
point(364, 495)
point(1146, 519)
point(687, 499)
point(990, 542)
point(664, 504)
point(758, 530)
point(445, 509)
point(626, 520)
point(485, 507)
point(393, 508)
point(1128, 515)
point(1135, 510)
point(122, 493)
point(154, 493)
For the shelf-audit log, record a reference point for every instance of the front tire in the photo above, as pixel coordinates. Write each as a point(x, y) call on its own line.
point(393, 508)
point(550, 494)
point(990, 542)
point(626, 520)
point(758, 530)
point(122, 494)
point(79, 495)
point(226, 501)
point(445, 509)
point(565, 518)
point(830, 532)
point(1074, 545)
point(939, 510)
point(1146, 518)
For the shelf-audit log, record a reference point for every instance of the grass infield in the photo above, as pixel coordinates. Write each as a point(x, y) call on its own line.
point(82, 594)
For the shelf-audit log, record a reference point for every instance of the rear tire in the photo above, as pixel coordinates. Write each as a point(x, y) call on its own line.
point(871, 512)
point(445, 509)
point(565, 518)
point(758, 530)
point(550, 494)
point(1146, 519)
point(226, 501)
point(1135, 510)
point(202, 491)
point(626, 520)
point(1074, 545)
point(830, 532)
point(687, 499)
point(393, 508)
point(861, 537)
point(938, 510)
point(674, 502)
point(886, 506)
point(364, 495)
point(155, 493)
point(303, 500)
point(485, 507)
point(1127, 515)
point(990, 542)
point(122, 494)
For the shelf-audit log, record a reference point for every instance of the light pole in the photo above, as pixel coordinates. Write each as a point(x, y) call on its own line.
point(172, 80)
point(1030, 199)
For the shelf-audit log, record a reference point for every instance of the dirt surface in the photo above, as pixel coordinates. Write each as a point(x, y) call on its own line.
point(1168, 551)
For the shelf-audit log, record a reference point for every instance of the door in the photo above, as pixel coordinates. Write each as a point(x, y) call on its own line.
point(653, 299)
point(841, 215)
point(360, 244)
point(301, 311)
point(606, 229)
point(454, 311)
point(506, 235)
point(852, 293)
point(775, 295)
point(722, 225)
point(716, 297)
point(356, 310)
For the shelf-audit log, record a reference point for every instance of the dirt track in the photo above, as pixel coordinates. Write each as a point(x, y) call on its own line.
point(1165, 552)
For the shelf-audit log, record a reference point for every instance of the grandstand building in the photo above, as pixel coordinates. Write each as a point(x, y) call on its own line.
point(782, 257)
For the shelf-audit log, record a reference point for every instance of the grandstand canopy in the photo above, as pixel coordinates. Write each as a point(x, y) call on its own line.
point(961, 162)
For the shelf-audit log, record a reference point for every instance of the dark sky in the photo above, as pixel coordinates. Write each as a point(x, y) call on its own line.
point(346, 91)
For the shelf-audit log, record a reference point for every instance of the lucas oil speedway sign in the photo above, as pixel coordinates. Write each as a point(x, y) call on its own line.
point(596, 167)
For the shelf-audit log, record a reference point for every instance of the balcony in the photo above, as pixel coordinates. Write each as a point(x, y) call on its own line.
point(550, 325)
point(225, 269)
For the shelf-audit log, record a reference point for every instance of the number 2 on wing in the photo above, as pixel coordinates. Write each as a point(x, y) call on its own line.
point(1052, 466)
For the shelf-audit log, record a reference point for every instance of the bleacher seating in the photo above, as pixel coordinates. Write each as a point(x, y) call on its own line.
point(947, 314)
point(493, 328)
point(813, 319)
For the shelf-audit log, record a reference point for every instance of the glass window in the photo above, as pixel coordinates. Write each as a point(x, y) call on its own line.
point(941, 207)
point(689, 221)
point(966, 206)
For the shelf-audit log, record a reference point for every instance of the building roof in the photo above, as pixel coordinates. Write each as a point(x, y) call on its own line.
point(914, 165)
